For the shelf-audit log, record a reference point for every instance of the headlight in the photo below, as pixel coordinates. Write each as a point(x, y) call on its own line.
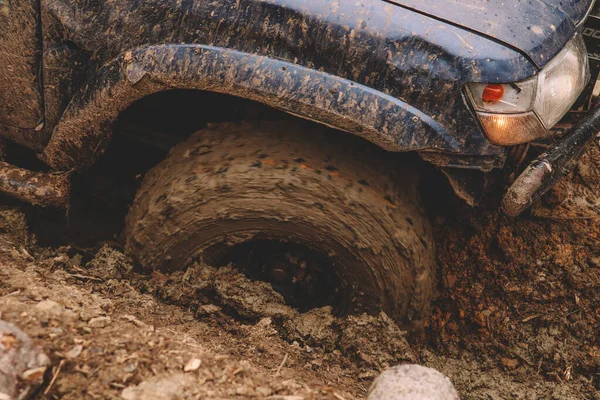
point(523, 111)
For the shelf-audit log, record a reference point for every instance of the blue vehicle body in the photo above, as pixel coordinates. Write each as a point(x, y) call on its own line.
point(392, 71)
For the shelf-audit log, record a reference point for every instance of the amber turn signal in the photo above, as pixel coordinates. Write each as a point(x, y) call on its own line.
point(512, 129)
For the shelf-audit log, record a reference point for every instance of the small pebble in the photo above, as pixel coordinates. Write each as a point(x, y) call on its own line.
point(74, 352)
point(99, 322)
point(509, 362)
point(192, 365)
point(208, 309)
point(263, 391)
point(33, 374)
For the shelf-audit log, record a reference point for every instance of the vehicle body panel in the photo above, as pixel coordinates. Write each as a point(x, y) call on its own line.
point(392, 71)
point(390, 123)
point(21, 101)
point(395, 51)
point(538, 28)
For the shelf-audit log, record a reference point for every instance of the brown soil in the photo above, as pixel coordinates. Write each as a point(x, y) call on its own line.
point(516, 317)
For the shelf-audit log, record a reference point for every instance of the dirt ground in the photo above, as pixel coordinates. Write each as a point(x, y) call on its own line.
point(517, 315)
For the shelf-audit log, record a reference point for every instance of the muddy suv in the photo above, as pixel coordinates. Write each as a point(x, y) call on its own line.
point(466, 85)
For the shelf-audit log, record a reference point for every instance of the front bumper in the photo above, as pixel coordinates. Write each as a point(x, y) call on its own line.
point(551, 166)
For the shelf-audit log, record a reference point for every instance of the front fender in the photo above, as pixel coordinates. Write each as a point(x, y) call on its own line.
point(85, 130)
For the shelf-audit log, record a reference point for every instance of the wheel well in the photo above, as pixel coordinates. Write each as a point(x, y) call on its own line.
point(159, 121)
point(165, 118)
point(151, 126)
point(142, 136)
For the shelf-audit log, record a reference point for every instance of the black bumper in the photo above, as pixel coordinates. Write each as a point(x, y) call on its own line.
point(550, 167)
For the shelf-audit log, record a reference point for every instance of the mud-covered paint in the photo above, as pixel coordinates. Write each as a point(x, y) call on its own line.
point(63, 65)
point(537, 28)
point(21, 101)
point(329, 99)
point(413, 58)
point(398, 53)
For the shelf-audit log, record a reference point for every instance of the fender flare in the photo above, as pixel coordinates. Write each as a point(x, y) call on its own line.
point(85, 130)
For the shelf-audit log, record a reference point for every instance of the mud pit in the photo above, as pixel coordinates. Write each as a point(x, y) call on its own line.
point(516, 316)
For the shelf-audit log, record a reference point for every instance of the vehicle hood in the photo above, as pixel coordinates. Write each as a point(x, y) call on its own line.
point(537, 28)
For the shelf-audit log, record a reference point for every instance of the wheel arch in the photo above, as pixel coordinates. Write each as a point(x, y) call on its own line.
point(85, 130)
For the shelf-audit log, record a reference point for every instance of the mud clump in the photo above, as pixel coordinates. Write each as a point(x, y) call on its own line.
point(14, 232)
point(202, 286)
point(314, 328)
point(248, 299)
point(109, 264)
point(372, 342)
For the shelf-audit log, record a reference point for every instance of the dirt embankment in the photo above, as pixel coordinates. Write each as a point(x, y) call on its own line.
point(518, 312)
point(517, 316)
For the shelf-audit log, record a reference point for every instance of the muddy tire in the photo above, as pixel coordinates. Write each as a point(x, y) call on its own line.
point(231, 183)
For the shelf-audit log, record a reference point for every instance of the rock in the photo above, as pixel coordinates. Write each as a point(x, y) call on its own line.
point(74, 352)
point(245, 391)
point(207, 309)
point(33, 374)
point(192, 365)
point(99, 322)
point(412, 382)
point(263, 391)
point(509, 362)
point(22, 364)
point(176, 386)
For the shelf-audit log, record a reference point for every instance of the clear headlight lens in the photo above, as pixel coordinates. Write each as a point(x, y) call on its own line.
point(524, 111)
point(561, 82)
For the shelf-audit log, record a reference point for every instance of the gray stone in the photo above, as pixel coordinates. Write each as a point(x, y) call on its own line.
point(412, 382)
point(22, 364)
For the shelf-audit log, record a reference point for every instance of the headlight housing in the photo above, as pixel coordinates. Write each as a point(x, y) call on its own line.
point(523, 111)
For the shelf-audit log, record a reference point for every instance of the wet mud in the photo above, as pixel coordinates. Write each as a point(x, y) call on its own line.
point(516, 315)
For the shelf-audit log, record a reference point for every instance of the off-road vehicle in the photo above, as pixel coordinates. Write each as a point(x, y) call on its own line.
point(467, 85)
